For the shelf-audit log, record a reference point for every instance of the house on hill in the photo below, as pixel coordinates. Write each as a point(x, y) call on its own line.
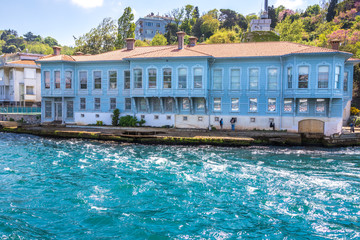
point(147, 27)
point(298, 88)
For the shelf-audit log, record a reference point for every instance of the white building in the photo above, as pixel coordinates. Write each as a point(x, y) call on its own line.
point(20, 80)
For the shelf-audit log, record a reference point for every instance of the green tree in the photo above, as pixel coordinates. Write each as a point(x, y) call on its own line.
point(312, 10)
point(126, 28)
point(30, 37)
point(210, 25)
point(196, 13)
point(41, 48)
point(272, 16)
point(51, 41)
point(98, 40)
point(331, 10)
point(66, 50)
point(290, 31)
point(178, 15)
point(224, 36)
point(171, 30)
point(158, 40)
point(139, 43)
point(196, 30)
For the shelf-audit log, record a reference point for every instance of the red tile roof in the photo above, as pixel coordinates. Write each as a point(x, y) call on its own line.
point(253, 49)
point(23, 62)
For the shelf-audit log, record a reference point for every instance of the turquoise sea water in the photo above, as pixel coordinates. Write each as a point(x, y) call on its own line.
point(74, 189)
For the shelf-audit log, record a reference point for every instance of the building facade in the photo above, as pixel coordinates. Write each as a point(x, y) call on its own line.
point(20, 80)
point(147, 27)
point(294, 86)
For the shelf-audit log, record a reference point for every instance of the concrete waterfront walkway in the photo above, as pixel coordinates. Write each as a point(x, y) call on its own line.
point(171, 136)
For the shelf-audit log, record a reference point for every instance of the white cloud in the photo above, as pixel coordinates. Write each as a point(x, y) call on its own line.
point(88, 3)
point(291, 4)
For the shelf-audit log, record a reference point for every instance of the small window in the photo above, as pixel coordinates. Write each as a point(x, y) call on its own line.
point(216, 119)
point(68, 79)
point(234, 104)
point(217, 79)
point(167, 78)
point(155, 104)
point(168, 104)
point(142, 105)
point(126, 79)
point(182, 78)
point(152, 78)
point(97, 103)
point(156, 117)
point(303, 77)
point(271, 120)
point(289, 77)
point(30, 90)
point(235, 79)
point(185, 104)
point(69, 109)
point(137, 78)
point(200, 119)
point(47, 79)
point(112, 79)
point(272, 78)
point(82, 115)
point(271, 104)
point(112, 103)
point(57, 79)
point(198, 73)
point(97, 115)
point(185, 118)
point(303, 105)
point(82, 103)
point(288, 105)
point(253, 105)
point(48, 109)
point(337, 77)
point(252, 119)
point(323, 77)
point(346, 76)
point(30, 73)
point(127, 103)
point(97, 80)
point(253, 79)
point(200, 104)
point(168, 117)
point(142, 116)
point(83, 79)
point(320, 105)
point(217, 104)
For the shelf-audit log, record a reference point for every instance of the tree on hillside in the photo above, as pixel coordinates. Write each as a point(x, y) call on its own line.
point(98, 40)
point(196, 30)
point(126, 28)
point(312, 10)
point(224, 36)
point(331, 10)
point(158, 40)
point(139, 43)
point(178, 15)
point(196, 13)
point(272, 16)
point(210, 25)
point(187, 23)
point(170, 35)
point(291, 31)
point(230, 19)
point(51, 41)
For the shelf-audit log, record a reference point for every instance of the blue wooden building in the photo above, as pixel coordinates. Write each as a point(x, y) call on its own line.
point(296, 87)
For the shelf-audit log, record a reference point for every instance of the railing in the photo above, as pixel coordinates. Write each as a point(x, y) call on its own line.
point(27, 110)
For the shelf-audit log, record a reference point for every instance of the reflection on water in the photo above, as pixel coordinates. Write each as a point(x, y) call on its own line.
point(84, 190)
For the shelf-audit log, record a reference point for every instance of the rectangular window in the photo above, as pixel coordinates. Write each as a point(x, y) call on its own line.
point(152, 78)
point(320, 105)
point(303, 77)
point(337, 77)
point(235, 79)
point(57, 79)
point(29, 73)
point(217, 104)
point(97, 80)
point(69, 109)
point(142, 105)
point(30, 90)
point(185, 104)
point(11, 75)
point(288, 105)
point(253, 78)
point(200, 104)
point(234, 104)
point(272, 78)
point(83, 79)
point(289, 77)
point(182, 77)
point(48, 109)
point(323, 78)
point(303, 105)
point(68, 79)
point(346, 76)
point(271, 104)
point(82, 103)
point(168, 104)
point(112, 79)
point(127, 103)
point(112, 103)
point(47, 79)
point(97, 103)
point(253, 105)
point(156, 105)
point(217, 79)
point(138, 78)
point(167, 77)
point(198, 72)
point(126, 79)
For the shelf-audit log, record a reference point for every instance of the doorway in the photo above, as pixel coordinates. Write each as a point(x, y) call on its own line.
point(58, 111)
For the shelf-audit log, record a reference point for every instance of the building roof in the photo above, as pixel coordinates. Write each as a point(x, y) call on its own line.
point(23, 62)
point(231, 50)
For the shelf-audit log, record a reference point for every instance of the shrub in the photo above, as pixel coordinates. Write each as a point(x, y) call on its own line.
point(11, 120)
point(128, 121)
point(141, 122)
point(115, 118)
point(354, 111)
point(99, 123)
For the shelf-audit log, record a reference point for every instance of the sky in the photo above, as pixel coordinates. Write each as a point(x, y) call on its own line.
point(63, 19)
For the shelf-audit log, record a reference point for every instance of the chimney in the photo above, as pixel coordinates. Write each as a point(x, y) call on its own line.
point(192, 41)
point(335, 44)
point(79, 53)
point(130, 43)
point(57, 50)
point(181, 36)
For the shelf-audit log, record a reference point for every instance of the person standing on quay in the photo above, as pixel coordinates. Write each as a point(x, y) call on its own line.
point(221, 123)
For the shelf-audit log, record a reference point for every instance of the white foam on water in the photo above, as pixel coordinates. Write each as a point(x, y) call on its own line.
point(99, 209)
